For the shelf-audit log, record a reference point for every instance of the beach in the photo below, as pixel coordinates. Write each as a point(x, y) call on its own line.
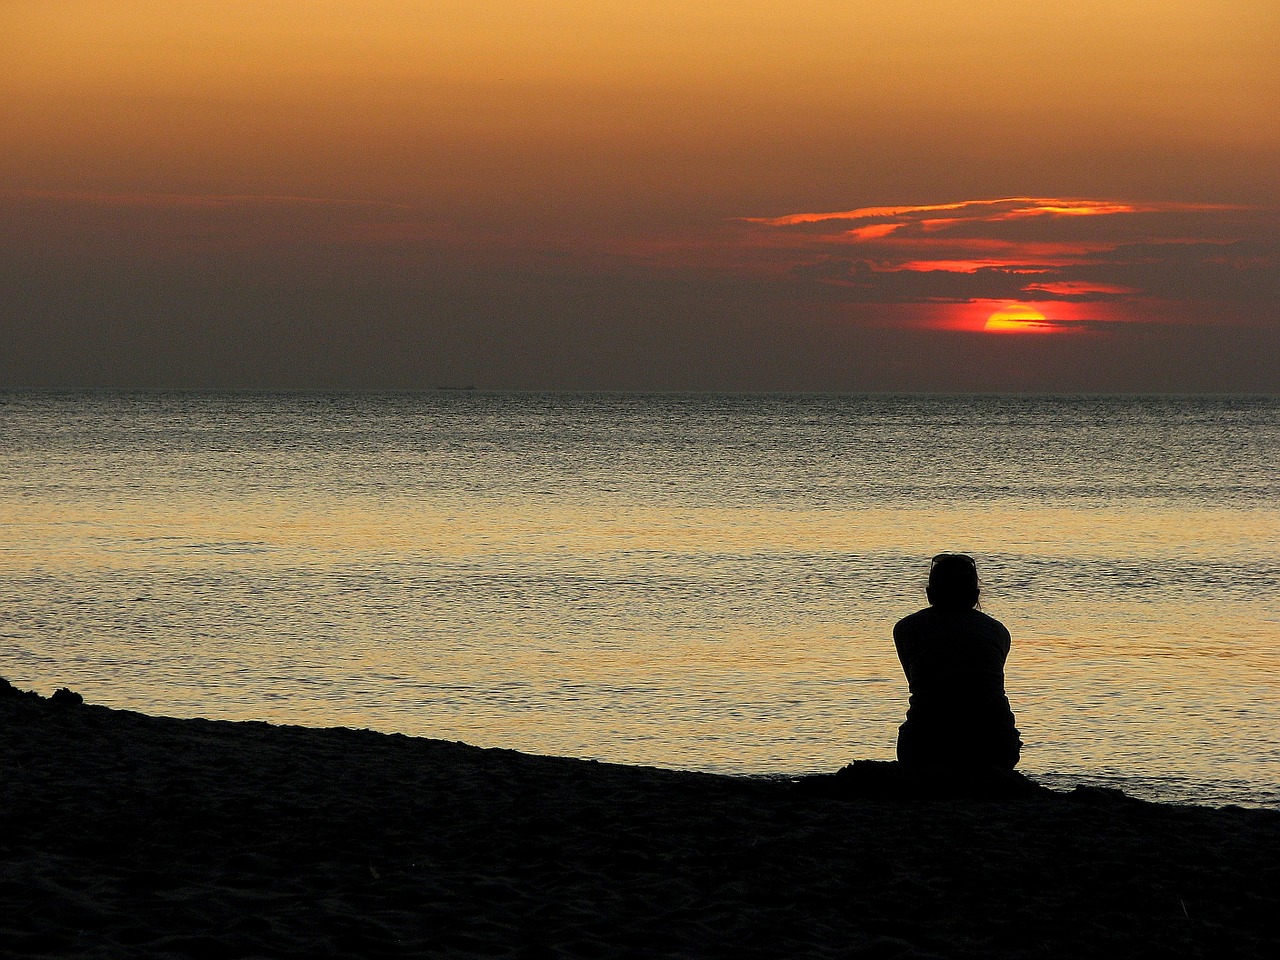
point(133, 835)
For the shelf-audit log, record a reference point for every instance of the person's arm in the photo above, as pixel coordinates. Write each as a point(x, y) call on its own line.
point(903, 645)
point(1006, 641)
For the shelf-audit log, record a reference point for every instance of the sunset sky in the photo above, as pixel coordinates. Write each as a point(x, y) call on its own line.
point(597, 194)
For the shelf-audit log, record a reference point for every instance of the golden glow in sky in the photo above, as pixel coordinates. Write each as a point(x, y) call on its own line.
point(501, 101)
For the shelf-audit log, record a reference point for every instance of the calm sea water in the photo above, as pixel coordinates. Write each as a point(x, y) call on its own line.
point(701, 582)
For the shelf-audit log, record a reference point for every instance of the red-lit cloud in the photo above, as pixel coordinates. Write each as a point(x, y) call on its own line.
point(1008, 208)
point(1058, 263)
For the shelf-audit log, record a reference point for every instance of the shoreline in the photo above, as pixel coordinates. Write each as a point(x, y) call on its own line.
point(149, 836)
point(1178, 789)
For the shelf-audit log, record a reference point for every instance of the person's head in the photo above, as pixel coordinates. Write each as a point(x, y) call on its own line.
point(953, 582)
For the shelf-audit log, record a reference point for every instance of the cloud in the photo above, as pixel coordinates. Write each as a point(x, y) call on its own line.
point(1065, 324)
point(1134, 253)
point(1080, 289)
point(1240, 271)
point(1007, 208)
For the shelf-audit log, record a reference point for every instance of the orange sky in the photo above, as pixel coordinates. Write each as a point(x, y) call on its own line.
point(610, 161)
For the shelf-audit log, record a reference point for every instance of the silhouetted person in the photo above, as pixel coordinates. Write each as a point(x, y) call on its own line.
point(953, 656)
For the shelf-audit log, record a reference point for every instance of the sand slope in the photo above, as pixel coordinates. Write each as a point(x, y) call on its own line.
point(125, 835)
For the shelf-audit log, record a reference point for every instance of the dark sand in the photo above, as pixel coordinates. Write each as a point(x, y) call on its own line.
point(133, 836)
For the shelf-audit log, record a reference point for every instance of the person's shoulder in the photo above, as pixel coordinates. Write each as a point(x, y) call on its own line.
point(919, 616)
point(991, 624)
point(913, 623)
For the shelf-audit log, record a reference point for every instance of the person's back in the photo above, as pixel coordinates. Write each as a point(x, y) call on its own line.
point(953, 656)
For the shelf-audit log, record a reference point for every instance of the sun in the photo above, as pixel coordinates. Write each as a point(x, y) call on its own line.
point(1017, 318)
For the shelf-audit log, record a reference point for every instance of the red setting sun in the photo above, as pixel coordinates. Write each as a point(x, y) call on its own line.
point(1017, 318)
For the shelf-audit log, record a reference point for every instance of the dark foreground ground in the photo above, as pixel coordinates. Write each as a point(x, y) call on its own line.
point(123, 835)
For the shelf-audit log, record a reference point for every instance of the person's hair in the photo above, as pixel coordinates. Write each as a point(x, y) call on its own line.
point(953, 581)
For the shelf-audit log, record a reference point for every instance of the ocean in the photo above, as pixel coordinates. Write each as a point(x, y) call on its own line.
point(703, 582)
